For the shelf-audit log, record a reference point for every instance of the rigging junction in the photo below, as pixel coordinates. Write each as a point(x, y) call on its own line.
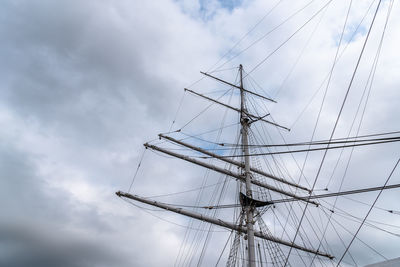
point(247, 203)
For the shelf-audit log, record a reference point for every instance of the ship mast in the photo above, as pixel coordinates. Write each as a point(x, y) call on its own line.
point(247, 202)
point(249, 209)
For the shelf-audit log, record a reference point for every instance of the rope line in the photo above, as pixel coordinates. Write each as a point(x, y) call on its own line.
point(369, 211)
point(338, 116)
point(137, 170)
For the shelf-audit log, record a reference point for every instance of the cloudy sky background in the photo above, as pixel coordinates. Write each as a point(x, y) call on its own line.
point(85, 83)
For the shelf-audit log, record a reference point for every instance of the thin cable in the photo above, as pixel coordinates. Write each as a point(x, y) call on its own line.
point(197, 238)
point(177, 111)
point(353, 142)
point(204, 110)
point(305, 150)
point(299, 57)
point(368, 246)
point(320, 142)
point(220, 70)
point(137, 170)
point(242, 38)
point(356, 30)
point(370, 81)
point(162, 219)
point(266, 34)
point(339, 115)
point(183, 192)
point(372, 74)
point(369, 211)
point(290, 37)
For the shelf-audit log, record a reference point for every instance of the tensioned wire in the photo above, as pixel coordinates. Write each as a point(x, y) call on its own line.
point(371, 74)
point(239, 219)
point(264, 107)
point(356, 30)
point(351, 217)
point(328, 76)
point(369, 211)
point(221, 196)
point(137, 170)
point(268, 33)
point(326, 242)
point(300, 55)
point(195, 240)
point(368, 85)
point(289, 38)
point(339, 115)
point(303, 166)
point(376, 207)
point(242, 38)
point(346, 140)
point(290, 214)
point(386, 140)
point(359, 239)
point(337, 234)
point(194, 243)
point(236, 44)
point(150, 211)
point(265, 134)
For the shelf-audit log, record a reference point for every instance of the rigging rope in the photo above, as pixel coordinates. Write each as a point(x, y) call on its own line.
point(204, 110)
point(369, 82)
point(268, 33)
point(354, 139)
point(299, 57)
point(356, 30)
point(137, 170)
point(339, 115)
point(148, 211)
point(242, 38)
point(290, 37)
point(291, 215)
point(369, 211)
point(306, 150)
point(177, 111)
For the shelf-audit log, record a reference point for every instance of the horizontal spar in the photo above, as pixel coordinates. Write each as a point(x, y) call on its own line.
point(218, 222)
point(227, 106)
point(238, 87)
point(251, 116)
point(226, 172)
point(233, 162)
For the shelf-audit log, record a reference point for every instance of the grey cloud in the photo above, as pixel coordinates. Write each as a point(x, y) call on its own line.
point(84, 83)
point(29, 195)
point(74, 68)
point(31, 232)
point(42, 246)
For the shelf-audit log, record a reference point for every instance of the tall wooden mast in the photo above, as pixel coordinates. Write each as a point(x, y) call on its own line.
point(249, 209)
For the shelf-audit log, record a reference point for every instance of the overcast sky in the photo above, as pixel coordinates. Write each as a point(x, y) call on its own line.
point(83, 84)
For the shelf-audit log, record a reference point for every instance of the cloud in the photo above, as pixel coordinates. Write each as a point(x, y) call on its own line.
point(30, 246)
point(84, 84)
